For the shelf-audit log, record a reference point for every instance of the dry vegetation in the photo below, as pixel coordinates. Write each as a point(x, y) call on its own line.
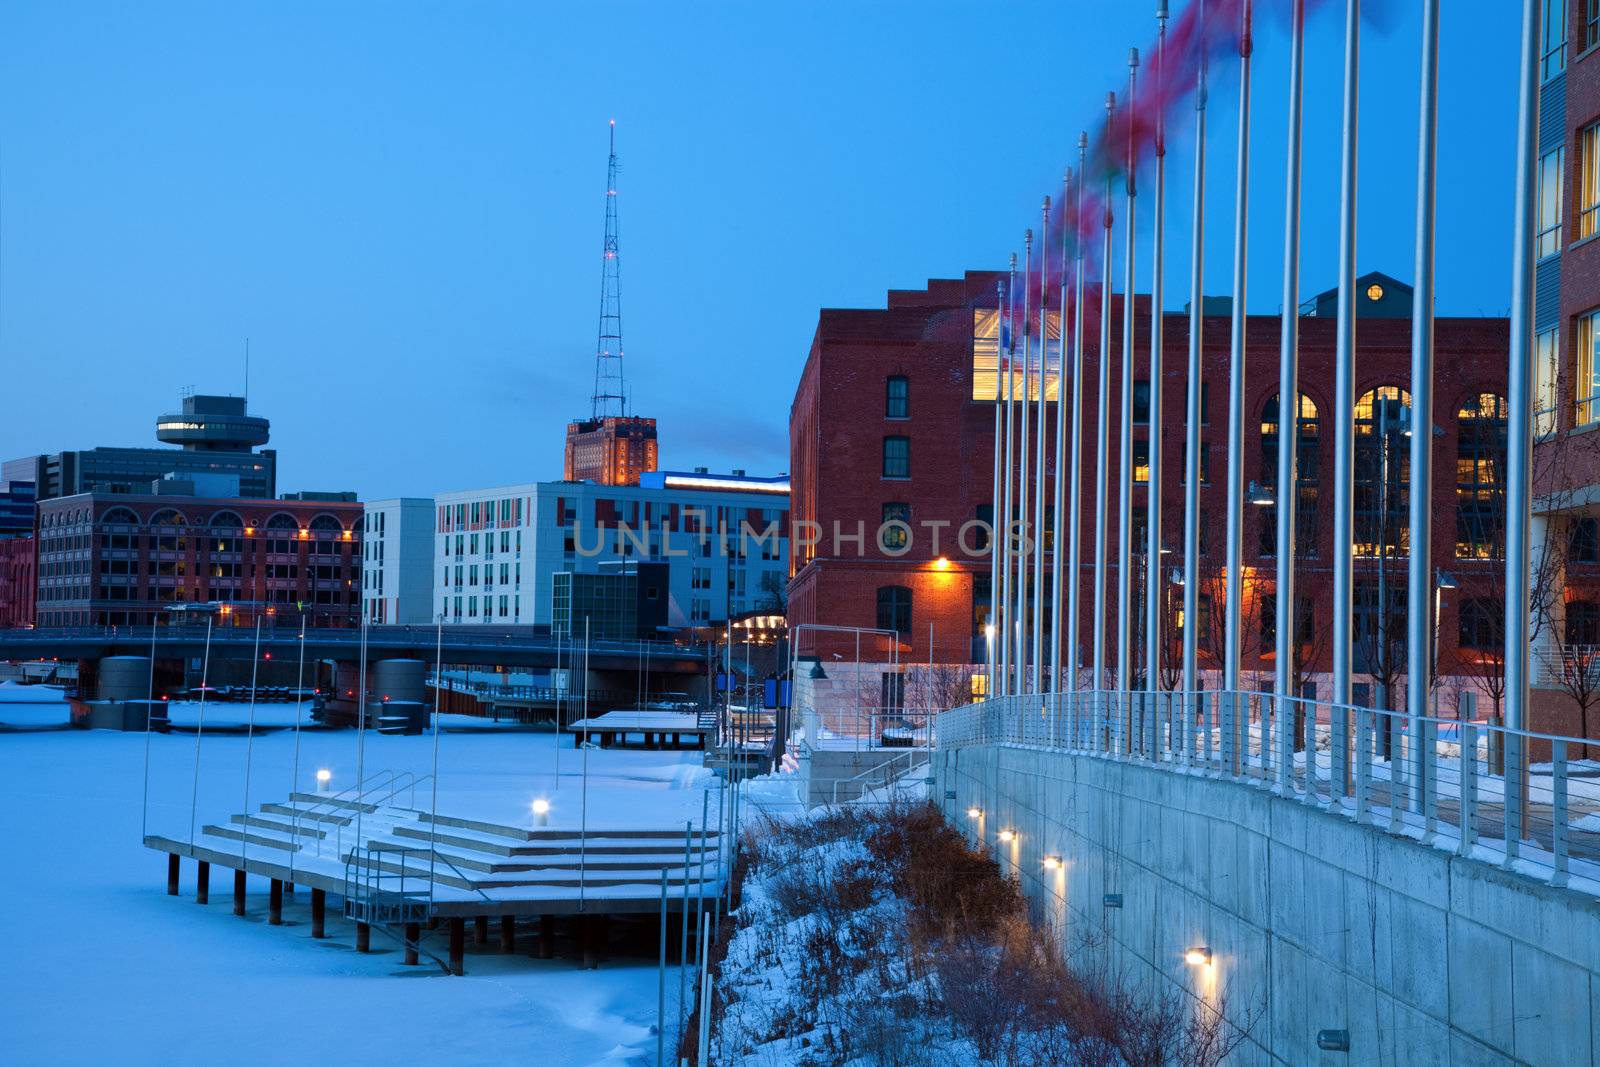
point(877, 938)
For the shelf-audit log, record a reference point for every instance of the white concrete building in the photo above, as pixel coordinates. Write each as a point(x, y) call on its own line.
point(397, 561)
point(496, 551)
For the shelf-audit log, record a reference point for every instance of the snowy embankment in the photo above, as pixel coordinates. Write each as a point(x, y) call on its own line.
point(32, 706)
point(868, 937)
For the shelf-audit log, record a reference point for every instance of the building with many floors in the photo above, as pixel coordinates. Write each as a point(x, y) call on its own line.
point(17, 554)
point(892, 449)
point(397, 561)
point(611, 450)
point(121, 559)
point(496, 552)
point(216, 438)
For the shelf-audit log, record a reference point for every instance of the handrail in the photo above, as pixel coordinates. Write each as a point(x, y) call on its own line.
point(331, 802)
point(906, 754)
point(1485, 790)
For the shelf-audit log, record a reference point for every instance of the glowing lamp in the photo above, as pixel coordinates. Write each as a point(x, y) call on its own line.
point(324, 776)
point(1052, 863)
point(541, 811)
point(1008, 835)
point(974, 813)
point(942, 563)
point(1199, 956)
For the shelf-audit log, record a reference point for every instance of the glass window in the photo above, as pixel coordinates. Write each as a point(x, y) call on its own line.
point(897, 457)
point(1545, 348)
point(1382, 472)
point(1583, 622)
point(1480, 477)
point(894, 608)
point(1590, 30)
point(1141, 460)
point(1589, 181)
point(897, 402)
point(1549, 178)
point(1307, 452)
point(1586, 382)
point(894, 538)
point(1583, 540)
point(1554, 46)
point(1141, 403)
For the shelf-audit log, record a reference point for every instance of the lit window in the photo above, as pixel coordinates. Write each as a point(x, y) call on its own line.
point(1545, 346)
point(1586, 381)
point(1589, 181)
point(1480, 477)
point(894, 538)
point(1548, 241)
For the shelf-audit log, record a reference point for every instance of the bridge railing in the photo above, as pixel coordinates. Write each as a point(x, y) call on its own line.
point(1525, 800)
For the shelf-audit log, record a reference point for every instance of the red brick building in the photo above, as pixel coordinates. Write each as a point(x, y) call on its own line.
point(614, 450)
point(894, 418)
point(18, 581)
point(113, 559)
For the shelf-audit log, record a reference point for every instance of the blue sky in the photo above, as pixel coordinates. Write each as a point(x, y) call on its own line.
point(401, 204)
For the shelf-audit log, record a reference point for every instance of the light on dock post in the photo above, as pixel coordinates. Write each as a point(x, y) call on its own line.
point(541, 811)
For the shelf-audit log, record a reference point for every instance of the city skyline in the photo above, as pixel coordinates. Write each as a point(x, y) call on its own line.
point(416, 261)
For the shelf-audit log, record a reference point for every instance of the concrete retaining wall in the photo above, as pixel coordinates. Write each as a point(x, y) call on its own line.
point(1314, 922)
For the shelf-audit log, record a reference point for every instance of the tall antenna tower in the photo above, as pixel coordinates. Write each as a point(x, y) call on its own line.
point(610, 396)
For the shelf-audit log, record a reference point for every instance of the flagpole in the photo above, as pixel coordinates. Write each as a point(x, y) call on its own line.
point(1154, 580)
point(1021, 665)
point(1039, 476)
point(1344, 368)
point(1103, 433)
point(1009, 337)
point(994, 508)
point(1289, 400)
point(1125, 466)
point(1075, 530)
point(1066, 511)
point(1191, 486)
point(1233, 597)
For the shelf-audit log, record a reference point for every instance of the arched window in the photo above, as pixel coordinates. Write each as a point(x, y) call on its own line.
point(1308, 455)
point(226, 520)
point(894, 608)
point(1481, 477)
point(1382, 472)
point(326, 525)
point(168, 517)
point(281, 521)
point(897, 398)
point(119, 517)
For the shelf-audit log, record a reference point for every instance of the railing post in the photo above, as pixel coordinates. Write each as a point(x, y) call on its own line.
point(1228, 712)
point(1558, 810)
point(1513, 797)
point(1469, 788)
point(1363, 763)
point(1283, 711)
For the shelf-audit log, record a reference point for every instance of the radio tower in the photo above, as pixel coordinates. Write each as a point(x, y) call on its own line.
point(610, 397)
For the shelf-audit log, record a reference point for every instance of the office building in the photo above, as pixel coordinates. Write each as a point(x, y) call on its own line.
point(620, 602)
point(397, 561)
point(614, 450)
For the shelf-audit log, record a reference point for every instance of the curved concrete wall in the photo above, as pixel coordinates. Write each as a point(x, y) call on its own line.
point(1314, 922)
point(124, 678)
point(398, 680)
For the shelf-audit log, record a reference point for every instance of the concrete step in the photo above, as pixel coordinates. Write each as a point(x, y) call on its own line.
point(328, 803)
point(562, 878)
point(257, 839)
point(282, 826)
point(525, 834)
point(571, 843)
point(307, 816)
point(651, 862)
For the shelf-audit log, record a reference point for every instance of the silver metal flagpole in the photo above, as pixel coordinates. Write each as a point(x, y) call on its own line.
point(1288, 403)
point(1003, 525)
point(1125, 467)
point(1519, 472)
point(1419, 599)
point(1344, 367)
point(1026, 545)
point(1074, 634)
point(1039, 476)
point(1065, 511)
point(1234, 594)
point(1154, 581)
point(1103, 433)
point(994, 511)
point(1191, 463)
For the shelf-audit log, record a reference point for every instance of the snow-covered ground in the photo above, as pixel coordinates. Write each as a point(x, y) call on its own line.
point(104, 966)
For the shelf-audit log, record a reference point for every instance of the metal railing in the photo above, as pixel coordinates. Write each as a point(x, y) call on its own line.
point(1496, 794)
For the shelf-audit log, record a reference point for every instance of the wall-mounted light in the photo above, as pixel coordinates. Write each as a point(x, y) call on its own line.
point(1008, 835)
point(1198, 956)
point(1333, 1040)
point(1052, 863)
point(942, 563)
point(974, 813)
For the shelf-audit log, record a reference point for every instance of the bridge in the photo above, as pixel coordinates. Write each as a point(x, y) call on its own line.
point(1413, 884)
point(457, 645)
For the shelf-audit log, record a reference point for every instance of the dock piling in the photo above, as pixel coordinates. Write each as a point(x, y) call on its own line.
point(458, 945)
point(172, 874)
point(319, 909)
point(238, 892)
point(413, 935)
point(275, 903)
point(202, 883)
